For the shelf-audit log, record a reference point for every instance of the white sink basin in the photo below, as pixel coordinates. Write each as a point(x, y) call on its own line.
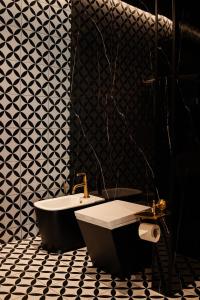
point(67, 202)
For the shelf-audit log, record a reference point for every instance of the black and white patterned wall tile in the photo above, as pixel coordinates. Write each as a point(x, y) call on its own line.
point(35, 43)
point(29, 272)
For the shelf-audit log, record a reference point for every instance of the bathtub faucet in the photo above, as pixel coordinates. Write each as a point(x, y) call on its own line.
point(83, 184)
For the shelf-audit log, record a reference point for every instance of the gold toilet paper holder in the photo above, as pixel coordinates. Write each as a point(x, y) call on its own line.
point(156, 211)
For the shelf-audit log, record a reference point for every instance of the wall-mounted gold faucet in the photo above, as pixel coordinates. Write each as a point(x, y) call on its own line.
point(83, 184)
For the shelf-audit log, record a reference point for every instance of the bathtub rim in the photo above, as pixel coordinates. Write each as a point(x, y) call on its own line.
point(119, 192)
point(78, 200)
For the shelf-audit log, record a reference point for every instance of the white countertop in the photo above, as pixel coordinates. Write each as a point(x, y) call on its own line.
point(111, 215)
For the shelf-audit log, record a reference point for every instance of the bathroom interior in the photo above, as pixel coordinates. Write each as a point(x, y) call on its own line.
point(110, 89)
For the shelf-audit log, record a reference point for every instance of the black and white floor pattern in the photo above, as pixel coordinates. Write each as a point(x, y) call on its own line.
point(29, 272)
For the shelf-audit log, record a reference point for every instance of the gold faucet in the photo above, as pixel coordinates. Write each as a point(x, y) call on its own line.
point(83, 184)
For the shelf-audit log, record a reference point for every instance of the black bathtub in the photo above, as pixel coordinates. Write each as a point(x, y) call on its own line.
point(120, 193)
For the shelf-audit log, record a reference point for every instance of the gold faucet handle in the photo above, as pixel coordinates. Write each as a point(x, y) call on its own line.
point(84, 177)
point(81, 174)
point(162, 204)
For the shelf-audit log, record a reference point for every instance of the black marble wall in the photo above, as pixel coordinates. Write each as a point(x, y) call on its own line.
point(178, 124)
point(112, 108)
point(187, 130)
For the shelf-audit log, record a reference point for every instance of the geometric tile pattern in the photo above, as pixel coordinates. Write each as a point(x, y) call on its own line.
point(34, 109)
point(29, 272)
point(112, 119)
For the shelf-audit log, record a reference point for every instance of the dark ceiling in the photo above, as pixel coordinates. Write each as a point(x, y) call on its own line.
point(164, 7)
point(186, 11)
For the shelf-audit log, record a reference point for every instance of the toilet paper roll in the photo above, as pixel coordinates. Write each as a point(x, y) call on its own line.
point(149, 232)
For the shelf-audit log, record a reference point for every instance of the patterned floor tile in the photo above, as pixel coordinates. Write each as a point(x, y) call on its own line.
point(29, 272)
point(11, 291)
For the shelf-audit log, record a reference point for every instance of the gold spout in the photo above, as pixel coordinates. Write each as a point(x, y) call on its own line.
point(83, 184)
point(76, 186)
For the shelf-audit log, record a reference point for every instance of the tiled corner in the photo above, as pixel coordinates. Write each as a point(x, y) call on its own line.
point(9, 178)
point(38, 12)
point(8, 235)
point(11, 82)
point(34, 175)
point(10, 146)
point(10, 112)
point(58, 173)
point(34, 112)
